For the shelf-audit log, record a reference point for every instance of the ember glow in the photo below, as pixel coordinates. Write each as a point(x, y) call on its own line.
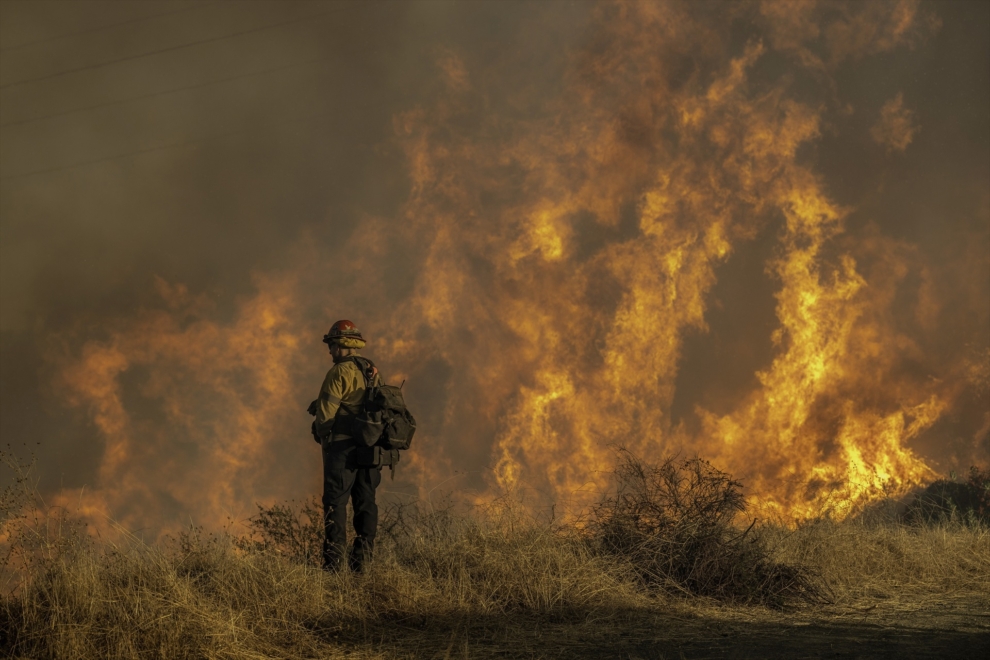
point(562, 239)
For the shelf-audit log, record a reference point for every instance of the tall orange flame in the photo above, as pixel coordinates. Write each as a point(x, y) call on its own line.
point(566, 239)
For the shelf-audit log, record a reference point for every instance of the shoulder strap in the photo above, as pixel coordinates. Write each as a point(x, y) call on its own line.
point(367, 368)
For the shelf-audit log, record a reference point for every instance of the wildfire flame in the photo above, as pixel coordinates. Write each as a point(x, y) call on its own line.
point(566, 240)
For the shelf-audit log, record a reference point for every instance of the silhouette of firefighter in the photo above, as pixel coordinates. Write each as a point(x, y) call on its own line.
point(345, 474)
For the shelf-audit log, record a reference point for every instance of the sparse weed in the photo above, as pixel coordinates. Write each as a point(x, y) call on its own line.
point(33, 534)
point(281, 529)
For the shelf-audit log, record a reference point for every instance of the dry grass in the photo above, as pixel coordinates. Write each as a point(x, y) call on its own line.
point(862, 559)
point(201, 597)
point(491, 583)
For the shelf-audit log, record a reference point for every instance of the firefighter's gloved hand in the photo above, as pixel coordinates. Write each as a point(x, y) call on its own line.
point(313, 407)
point(316, 436)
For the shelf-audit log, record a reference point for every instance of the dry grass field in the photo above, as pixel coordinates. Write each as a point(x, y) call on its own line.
point(497, 583)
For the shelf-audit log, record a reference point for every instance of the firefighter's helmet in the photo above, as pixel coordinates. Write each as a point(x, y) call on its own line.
point(342, 330)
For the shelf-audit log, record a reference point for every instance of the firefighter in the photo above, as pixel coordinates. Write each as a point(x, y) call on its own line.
point(340, 400)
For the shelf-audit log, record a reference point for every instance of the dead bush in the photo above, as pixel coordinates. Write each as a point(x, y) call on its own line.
point(948, 500)
point(283, 529)
point(674, 523)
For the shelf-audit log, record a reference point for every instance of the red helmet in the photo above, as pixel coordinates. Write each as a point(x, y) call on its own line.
point(342, 329)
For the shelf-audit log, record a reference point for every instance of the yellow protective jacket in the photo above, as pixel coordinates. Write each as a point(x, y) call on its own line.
point(341, 395)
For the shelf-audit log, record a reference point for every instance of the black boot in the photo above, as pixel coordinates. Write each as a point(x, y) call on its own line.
point(361, 553)
point(333, 557)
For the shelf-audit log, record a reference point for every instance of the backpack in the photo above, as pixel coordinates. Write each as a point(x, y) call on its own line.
point(383, 424)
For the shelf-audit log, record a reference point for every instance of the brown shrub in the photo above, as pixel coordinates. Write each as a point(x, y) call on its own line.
point(674, 523)
point(948, 500)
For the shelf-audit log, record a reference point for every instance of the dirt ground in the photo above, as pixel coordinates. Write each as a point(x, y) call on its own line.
point(957, 627)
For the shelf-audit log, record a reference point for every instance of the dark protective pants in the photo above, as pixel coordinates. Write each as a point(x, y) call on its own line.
point(342, 479)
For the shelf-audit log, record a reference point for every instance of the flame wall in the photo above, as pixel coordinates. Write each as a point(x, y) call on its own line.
point(593, 217)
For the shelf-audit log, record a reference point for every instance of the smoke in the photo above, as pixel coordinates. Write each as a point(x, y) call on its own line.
point(690, 227)
point(896, 127)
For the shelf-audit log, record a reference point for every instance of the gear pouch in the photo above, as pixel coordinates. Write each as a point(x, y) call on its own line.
point(375, 456)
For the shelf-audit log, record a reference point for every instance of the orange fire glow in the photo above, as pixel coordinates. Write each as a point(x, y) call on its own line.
point(566, 241)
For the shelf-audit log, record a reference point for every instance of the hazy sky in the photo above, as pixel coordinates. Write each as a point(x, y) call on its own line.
point(212, 145)
point(193, 142)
